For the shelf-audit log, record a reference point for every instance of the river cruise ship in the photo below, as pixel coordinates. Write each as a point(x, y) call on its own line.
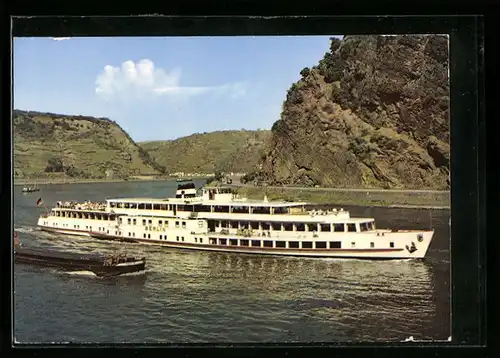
point(216, 219)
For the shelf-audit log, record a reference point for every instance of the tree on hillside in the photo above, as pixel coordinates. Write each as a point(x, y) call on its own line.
point(54, 165)
point(218, 175)
point(305, 72)
point(334, 44)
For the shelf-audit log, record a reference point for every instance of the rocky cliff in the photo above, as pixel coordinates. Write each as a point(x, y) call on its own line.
point(373, 113)
point(53, 145)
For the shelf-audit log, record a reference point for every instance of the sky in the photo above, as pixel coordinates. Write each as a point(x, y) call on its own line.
point(161, 88)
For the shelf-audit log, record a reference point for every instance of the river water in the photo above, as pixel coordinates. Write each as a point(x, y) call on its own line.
point(195, 296)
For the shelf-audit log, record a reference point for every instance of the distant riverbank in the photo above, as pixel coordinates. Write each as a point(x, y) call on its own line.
point(424, 199)
point(50, 181)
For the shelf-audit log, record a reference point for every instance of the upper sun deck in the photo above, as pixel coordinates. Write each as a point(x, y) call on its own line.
point(82, 206)
point(138, 200)
point(221, 203)
point(220, 196)
point(198, 200)
point(214, 203)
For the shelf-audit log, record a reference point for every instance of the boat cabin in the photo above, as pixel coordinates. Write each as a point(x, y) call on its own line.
point(218, 193)
point(186, 191)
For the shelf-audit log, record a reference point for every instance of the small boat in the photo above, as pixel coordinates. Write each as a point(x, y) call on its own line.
point(181, 180)
point(30, 189)
point(101, 265)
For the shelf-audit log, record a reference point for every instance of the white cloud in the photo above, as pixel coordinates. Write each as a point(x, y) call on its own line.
point(60, 38)
point(143, 79)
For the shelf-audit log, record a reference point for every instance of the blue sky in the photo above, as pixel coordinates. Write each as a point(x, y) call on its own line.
point(161, 88)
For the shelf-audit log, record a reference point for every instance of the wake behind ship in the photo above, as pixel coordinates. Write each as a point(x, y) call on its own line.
point(217, 219)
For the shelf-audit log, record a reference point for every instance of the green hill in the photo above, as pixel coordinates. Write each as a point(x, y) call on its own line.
point(55, 145)
point(225, 151)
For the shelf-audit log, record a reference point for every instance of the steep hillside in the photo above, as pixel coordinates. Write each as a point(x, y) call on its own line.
point(226, 151)
point(373, 113)
point(47, 144)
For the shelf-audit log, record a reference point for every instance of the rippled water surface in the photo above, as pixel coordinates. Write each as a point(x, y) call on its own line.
point(193, 296)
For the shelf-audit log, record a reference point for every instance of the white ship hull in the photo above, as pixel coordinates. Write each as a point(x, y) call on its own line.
point(401, 250)
point(65, 232)
point(219, 222)
point(371, 254)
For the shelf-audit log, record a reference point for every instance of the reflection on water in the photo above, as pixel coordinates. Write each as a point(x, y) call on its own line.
point(194, 296)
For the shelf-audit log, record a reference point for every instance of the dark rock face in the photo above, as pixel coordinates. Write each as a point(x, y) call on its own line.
point(373, 113)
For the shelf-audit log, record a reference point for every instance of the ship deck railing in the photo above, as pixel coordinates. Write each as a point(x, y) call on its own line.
point(80, 206)
point(276, 234)
point(265, 233)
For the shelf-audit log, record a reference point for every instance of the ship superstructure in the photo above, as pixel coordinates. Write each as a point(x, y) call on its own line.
point(217, 219)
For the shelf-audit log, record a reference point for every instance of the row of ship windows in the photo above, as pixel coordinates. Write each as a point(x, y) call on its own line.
point(278, 226)
point(267, 226)
point(283, 244)
point(150, 222)
point(89, 228)
point(102, 229)
point(161, 237)
point(340, 227)
point(264, 243)
point(204, 208)
point(74, 226)
point(46, 223)
point(244, 242)
point(80, 215)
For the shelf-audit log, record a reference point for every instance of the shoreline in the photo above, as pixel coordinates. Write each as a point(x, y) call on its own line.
point(429, 207)
point(59, 181)
point(410, 199)
point(396, 206)
point(397, 198)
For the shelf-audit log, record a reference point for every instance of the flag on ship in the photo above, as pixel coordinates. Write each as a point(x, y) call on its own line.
point(39, 201)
